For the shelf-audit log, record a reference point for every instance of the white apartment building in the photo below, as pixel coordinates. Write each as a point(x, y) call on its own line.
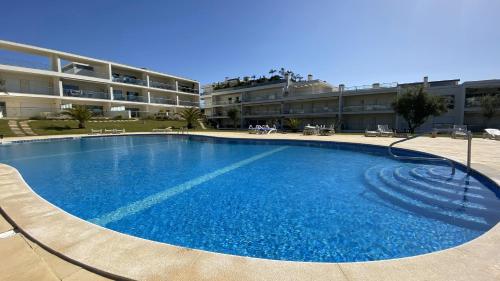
point(38, 82)
point(352, 109)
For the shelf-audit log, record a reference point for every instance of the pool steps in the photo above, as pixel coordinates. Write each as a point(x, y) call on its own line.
point(451, 201)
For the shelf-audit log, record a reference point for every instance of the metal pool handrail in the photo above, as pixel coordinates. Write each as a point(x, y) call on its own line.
point(416, 158)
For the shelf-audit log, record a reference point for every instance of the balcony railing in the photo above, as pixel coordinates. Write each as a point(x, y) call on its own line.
point(163, 101)
point(367, 107)
point(222, 103)
point(32, 91)
point(188, 103)
point(86, 72)
point(129, 80)
point(371, 87)
point(312, 111)
point(262, 112)
point(188, 89)
point(131, 98)
point(161, 85)
point(24, 63)
point(274, 96)
point(85, 94)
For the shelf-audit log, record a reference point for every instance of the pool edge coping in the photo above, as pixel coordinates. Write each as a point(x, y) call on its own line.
point(287, 268)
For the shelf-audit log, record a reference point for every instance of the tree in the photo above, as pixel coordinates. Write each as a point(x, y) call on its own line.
point(294, 124)
point(80, 113)
point(282, 72)
point(489, 105)
point(191, 115)
point(416, 106)
point(271, 72)
point(233, 115)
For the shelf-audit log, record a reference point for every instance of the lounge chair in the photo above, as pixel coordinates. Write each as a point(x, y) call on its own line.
point(271, 130)
point(118, 131)
point(106, 131)
point(324, 131)
point(252, 130)
point(163, 130)
point(384, 131)
point(95, 131)
point(369, 133)
point(493, 134)
point(268, 130)
point(459, 131)
point(310, 130)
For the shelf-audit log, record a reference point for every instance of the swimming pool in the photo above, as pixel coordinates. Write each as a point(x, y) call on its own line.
point(288, 200)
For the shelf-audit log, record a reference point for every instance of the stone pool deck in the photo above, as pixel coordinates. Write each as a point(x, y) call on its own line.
point(53, 245)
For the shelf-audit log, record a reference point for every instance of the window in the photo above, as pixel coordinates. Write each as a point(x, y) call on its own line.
point(86, 67)
point(449, 101)
point(117, 94)
point(24, 85)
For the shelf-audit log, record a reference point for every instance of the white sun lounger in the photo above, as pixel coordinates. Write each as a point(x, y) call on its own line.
point(118, 131)
point(252, 130)
point(267, 130)
point(163, 130)
point(493, 134)
point(384, 131)
point(369, 133)
point(95, 131)
point(310, 130)
point(459, 131)
point(111, 131)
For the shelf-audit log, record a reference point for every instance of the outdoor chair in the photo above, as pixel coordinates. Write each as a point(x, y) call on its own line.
point(493, 134)
point(384, 131)
point(459, 131)
point(369, 133)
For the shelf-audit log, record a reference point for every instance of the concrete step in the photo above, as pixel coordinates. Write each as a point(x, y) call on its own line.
point(26, 128)
point(14, 127)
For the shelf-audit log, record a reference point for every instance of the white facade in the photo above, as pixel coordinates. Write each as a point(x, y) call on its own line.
point(352, 109)
point(36, 82)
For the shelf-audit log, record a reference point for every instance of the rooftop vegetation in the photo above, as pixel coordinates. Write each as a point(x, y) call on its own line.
point(275, 76)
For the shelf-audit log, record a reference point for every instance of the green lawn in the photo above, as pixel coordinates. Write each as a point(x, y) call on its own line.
point(60, 127)
point(4, 129)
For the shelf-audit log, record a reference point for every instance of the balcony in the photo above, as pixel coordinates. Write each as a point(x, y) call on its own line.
point(222, 103)
point(86, 94)
point(262, 112)
point(367, 108)
point(130, 80)
point(87, 72)
point(324, 110)
point(159, 100)
point(188, 103)
point(269, 97)
point(375, 86)
point(48, 91)
point(161, 85)
point(131, 98)
point(24, 63)
point(186, 89)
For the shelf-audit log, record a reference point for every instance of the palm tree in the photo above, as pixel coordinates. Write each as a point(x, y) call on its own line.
point(271, 72)
point(79, 113)
point(294, 124)
point(191, 115)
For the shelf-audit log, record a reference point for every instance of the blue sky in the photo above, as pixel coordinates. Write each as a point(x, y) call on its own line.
point(350, 42)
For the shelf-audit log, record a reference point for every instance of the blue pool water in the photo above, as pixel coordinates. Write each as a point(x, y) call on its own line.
point(281, 200)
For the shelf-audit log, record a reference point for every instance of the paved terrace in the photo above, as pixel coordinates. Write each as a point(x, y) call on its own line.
point(79, 249)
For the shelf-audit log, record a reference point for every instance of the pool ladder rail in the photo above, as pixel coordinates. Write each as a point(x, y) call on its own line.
point(416, 158)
